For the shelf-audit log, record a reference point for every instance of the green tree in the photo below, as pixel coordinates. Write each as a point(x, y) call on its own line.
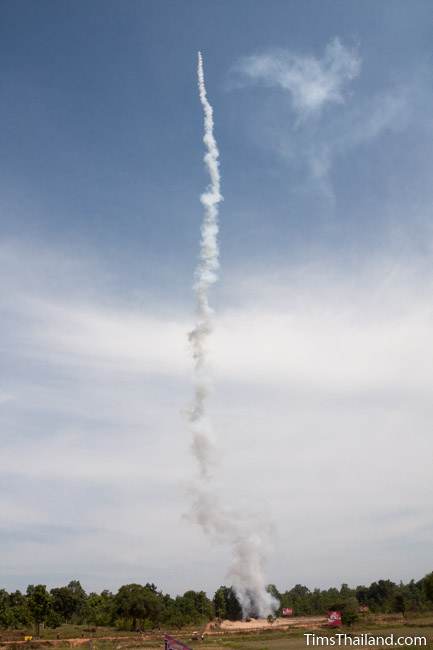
point(414, 596)
point(299, 597)
point(346, 592)
point(64, 604)
point(5, 613)
point(53, 619)
point(80, 600)
point(39, 603)
point(428, 586)
point(220, 605)
point(381, 595)
point(20, 610)
point(350, 610)
point(399, 603)
point(198, 606)
point(70, 603)
point(361, 593)
point(100, 608)
point(136, 603)
point(317, 599)
point(234, 609)
point(173, 616)
point(226, 604)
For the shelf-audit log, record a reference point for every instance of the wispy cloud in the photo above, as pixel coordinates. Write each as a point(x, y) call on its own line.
point(311, 82)
point(360, 124)
point(324, 121)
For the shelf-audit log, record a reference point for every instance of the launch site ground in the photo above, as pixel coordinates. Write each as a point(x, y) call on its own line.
point(253, 635)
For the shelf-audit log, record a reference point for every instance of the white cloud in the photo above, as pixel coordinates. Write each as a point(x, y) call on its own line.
point(311, 82)
point(351, 122)
point(363, 333)
point(386, 112)
point(111, 338)
point(322, 387)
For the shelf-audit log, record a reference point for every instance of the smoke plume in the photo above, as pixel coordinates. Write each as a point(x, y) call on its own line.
point(205, 276)
point(219, 523)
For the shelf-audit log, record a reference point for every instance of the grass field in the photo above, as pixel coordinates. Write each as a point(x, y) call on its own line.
point(292, 639)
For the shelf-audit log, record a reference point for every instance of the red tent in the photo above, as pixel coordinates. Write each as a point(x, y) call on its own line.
point(334, 619)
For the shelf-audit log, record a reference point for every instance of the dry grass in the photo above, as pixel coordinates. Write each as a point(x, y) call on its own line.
point(266, 638)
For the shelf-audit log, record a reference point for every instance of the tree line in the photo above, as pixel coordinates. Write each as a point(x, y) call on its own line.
point(143, 607)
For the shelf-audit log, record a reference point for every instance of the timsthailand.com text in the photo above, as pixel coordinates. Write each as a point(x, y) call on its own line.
point(341, 639)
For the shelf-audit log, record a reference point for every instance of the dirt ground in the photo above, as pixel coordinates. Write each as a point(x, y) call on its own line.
point(282, 634)
point(255, 625)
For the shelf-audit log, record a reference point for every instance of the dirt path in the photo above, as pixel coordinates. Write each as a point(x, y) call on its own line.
point(75, 642)
point(259, 624)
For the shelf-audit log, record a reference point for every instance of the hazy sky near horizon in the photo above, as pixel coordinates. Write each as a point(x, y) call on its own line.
point(322, 356)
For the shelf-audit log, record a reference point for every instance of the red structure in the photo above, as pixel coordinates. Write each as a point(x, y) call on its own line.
point(334, 619)
point(170, 643)
point(287, 611)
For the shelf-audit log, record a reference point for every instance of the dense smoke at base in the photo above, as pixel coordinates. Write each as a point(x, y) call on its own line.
point(247, 569)
point(249, 547)
point(248, 577)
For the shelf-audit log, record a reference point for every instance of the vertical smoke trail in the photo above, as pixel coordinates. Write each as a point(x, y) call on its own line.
point(219, 523)
point(206, 275)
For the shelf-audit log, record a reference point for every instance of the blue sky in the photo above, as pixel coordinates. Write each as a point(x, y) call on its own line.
point(322, 354)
